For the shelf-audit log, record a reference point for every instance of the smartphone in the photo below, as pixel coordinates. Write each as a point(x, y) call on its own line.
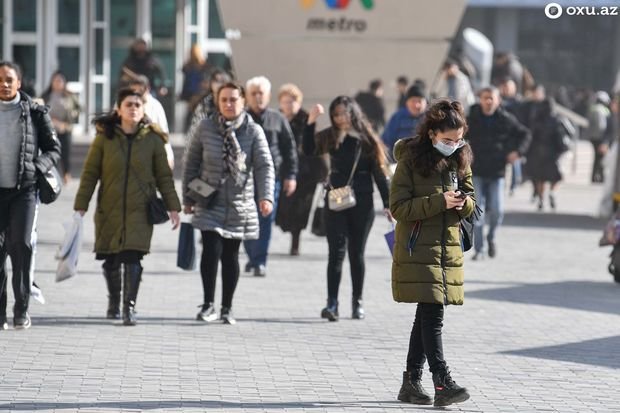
point(462, 195)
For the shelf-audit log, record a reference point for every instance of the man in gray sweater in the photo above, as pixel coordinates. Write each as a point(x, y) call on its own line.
point(29, 148)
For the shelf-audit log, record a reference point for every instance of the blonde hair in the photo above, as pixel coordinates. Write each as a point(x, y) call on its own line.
point(292, 90)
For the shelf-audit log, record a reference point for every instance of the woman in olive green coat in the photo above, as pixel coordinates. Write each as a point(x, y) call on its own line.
point(431, 191)
point(128, 160)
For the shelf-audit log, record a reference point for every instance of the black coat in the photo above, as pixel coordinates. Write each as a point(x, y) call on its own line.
point(545, 150)
point(281, 142)
point(492, 138)
point(40, 148)
point(294, 211)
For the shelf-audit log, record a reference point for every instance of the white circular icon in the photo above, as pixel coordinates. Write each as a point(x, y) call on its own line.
point(553, 10)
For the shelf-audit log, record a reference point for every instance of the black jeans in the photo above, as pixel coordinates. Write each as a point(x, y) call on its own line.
point(348, 231)
point(425, 341)
point(214, 249)
point(17, 210)
point(65, 151)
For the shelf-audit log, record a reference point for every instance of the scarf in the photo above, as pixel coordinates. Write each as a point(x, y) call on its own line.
point(233, 157)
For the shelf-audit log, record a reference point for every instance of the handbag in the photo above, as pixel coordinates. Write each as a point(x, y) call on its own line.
point(318, 222)
point(339, 199)
point(390, 239)
point(49, 185)
point(156, 212)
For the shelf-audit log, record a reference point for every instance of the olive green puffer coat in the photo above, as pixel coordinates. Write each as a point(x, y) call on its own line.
point(429, 270)
point(120, 218)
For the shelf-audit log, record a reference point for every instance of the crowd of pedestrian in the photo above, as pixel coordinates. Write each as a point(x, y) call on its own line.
point(247, 166)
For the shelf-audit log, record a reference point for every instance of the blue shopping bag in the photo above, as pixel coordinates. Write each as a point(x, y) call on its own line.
point(389, 238)
point(186, 251)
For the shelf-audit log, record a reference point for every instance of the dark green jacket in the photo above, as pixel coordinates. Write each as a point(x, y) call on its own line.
point(431, 269)
point(120, 218)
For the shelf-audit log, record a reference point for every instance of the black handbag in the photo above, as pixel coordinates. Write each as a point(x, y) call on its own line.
point(49, 185)
point(467, 233)
point(186, 250)
point(318, 222)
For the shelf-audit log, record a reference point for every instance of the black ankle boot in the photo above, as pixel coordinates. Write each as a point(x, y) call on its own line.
point(358, 312)
point(447, 391)
point(412, 391)
point(113, 281)
point(331, 311)
point(132, 278)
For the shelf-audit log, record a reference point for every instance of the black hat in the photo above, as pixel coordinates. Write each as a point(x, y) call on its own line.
point(415, 91)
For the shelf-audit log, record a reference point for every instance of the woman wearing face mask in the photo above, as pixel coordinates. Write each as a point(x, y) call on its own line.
point(427, 198)
point(348, 230)
point(128, 160)
point(230, 153)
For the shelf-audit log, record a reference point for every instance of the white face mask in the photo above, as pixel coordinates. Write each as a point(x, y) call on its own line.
point(447, 150)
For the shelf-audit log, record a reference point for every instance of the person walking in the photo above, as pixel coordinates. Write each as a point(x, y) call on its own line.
point(29, 148)
point(431, 191)
point(128, 160)
point(403, 123)
point(544, 153)
point(453, 83)
point(371, 103)
point(294, 211)
point(142, 61)
point(206, 106)
point(230, 153)
point(497, 139)
point(64, 111)
point(599, 116)
point(195, 71)
point(357, 157)
point(283, 151)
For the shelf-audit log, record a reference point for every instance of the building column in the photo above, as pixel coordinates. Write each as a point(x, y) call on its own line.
point(506, 30)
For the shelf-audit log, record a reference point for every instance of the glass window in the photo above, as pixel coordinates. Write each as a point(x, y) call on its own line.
point(123, 18)
point(220, 60)
point(98, 98)
point(163, 18)
point(25, 15)
point(26, 57)
point(194, 38)
point(69, 16)
point(194, 12)
point(69, 62)
point(216, 31)
point(99, 10)
point(99, 51)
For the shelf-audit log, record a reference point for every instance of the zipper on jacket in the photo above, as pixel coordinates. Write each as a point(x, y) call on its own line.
point(124, 227)
point(443, 248)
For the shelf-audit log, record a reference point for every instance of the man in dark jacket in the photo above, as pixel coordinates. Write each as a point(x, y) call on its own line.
point(497, 139)
point(372, 105)
point(284, 153)
point(29, 147)
point(403, 123)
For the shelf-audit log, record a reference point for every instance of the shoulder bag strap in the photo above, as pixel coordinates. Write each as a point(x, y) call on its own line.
point(141, 183)
point(357, 158)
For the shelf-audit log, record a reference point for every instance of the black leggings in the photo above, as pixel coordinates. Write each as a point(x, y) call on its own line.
point(425, 341)
point(214, 249)
point(348, 231)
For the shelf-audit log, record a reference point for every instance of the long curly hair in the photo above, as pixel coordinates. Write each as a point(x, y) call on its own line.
point(371, 143)
point(443, 115)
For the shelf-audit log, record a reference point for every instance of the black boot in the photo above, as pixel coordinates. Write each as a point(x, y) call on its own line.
point(358, 311)
point(132, 277)
point(331, 311)
point(113, 280)
point(447, 391)
point(412, 391)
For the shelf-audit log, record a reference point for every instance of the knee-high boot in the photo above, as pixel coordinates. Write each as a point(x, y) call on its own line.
point(132, 277)
point(112, 277)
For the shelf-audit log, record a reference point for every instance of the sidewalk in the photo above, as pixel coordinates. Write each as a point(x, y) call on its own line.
point(539, 331)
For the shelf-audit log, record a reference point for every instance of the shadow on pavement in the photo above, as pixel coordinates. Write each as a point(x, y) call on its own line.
point(187, 321)
point(553, 220)
point(597, 352)
point(602, 297)
point(201, 404)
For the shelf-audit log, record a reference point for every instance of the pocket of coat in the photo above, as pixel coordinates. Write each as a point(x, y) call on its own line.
point(413, 236)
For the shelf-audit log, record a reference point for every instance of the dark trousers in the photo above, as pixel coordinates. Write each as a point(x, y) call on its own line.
point(65, 152)
point(598, 169)
point(214, 249)
point(348, 231)
point(425, 341)
point(17, 210)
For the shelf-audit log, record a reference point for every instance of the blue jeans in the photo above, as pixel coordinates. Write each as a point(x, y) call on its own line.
point(517, 174)
point(490, 197)
point(257, 249)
